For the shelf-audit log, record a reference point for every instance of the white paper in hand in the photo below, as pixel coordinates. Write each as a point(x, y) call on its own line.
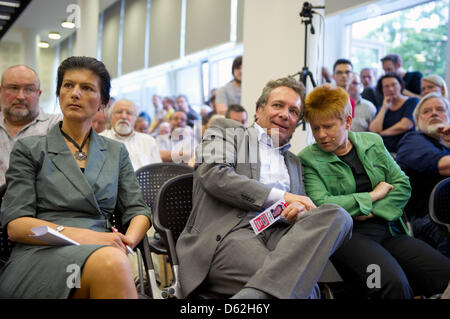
point(51, 236)
point(268, 217)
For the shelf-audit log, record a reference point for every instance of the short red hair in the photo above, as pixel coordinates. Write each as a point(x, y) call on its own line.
point(327, 101)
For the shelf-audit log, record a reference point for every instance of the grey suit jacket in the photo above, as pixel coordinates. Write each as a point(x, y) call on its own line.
point(45, 182)
point(226, 187)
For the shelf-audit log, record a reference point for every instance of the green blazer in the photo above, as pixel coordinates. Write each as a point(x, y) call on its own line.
point(330, 180)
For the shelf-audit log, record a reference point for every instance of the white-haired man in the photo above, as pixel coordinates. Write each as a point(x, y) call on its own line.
point(141, 147)
point(424, 155)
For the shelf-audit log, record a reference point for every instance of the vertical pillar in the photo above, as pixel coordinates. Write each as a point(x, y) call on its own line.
point(87, 33)
point(31, 49)
point(274, 47)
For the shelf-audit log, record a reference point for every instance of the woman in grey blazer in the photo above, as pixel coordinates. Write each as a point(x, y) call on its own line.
point(72, 180)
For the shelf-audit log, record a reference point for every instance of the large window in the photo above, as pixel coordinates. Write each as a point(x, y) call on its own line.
point(418, 34)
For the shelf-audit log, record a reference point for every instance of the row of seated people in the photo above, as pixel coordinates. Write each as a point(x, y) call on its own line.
point(390, 107)
point(343, 200)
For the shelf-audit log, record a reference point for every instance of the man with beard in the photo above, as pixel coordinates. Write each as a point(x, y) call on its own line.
point(21, 115)
point(231, 92)
point(141, 147)
point(424, 155)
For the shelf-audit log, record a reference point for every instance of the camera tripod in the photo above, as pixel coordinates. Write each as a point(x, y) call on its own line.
point(305, 73)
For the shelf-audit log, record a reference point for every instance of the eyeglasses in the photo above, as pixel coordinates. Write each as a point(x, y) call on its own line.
point(343, 72)
point(14, 89)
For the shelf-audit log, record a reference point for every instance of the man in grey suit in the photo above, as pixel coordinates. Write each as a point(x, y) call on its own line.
point(239, 173)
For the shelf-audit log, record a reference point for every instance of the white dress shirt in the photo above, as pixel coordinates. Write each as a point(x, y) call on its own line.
point(274, 172)
point(141, 147)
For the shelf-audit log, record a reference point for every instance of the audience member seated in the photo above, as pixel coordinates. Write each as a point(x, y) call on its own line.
point(238, 113)
point(364, 110)
point(100, 121)
point(72, 180)
point(395, 117)
point(141, 125)
point(392, 63)
point(424, 155)
point(355, 171)
point(218, 249)
point(178, 145)
point(141, 147)
point(209, 121)
point(369, 81)
point(434, 83)
point(21, 114)
point(230, 93)
point(342, 71)
point(183, 105)
point(158, 115)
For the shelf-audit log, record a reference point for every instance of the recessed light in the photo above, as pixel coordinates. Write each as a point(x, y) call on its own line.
point(13, 4)
point(54, 35)
point(43, 44)
point(67, 24)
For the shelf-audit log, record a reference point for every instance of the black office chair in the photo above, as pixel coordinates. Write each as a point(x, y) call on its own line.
point(5, 244)
point(171, 211)
point(439, 203)
point(151, 177)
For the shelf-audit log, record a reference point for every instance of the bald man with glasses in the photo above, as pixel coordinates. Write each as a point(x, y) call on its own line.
point(20, 114)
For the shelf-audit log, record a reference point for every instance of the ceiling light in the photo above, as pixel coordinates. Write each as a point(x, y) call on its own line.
point(4, 17)
point(54, 35)
point(13, 4)
point(43, 44)
point(67, 24)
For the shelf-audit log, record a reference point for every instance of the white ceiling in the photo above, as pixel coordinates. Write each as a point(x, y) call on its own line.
point(44, 16)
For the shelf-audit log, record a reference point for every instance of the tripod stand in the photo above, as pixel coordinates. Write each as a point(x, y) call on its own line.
point(305, 73)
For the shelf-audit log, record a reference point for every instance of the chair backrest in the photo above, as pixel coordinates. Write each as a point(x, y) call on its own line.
point(151, 177)
point(440, 203)
point(5, 244)
point(172, 209)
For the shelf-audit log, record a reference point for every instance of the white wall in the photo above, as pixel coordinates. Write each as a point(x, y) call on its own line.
point(274, 48)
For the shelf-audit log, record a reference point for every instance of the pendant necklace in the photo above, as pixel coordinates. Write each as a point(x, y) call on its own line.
point(79, 155)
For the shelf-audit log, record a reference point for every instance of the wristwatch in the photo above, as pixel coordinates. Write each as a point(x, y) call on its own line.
point(60, 228)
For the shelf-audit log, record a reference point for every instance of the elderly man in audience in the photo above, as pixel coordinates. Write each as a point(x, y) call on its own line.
point(365, 111)
point(218, 248)
point(141, 147)
point(21, 115)
point(424, 155)
point(179, 144)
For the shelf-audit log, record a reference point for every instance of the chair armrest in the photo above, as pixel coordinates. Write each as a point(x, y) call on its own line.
point(157, 246)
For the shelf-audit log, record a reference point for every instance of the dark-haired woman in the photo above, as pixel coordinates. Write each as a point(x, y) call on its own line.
point(395, 116)
point(72, 180)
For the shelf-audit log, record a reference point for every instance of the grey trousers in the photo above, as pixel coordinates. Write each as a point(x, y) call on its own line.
point(285, 260)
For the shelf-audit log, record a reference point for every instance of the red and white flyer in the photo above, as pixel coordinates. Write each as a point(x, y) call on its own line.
point(267, 217)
